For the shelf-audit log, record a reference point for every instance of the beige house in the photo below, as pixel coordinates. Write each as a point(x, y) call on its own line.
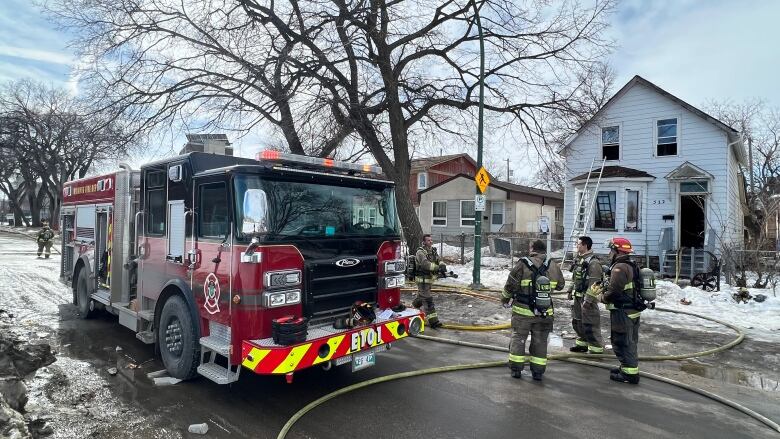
point(448, 208)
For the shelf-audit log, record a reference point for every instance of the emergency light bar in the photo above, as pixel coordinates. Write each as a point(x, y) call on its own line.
point(271, 155)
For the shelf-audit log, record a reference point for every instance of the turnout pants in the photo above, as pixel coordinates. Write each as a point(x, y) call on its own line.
point(424, 301)
point(586, 322)
point(540, 329)
point(625, 337)
point(44, 245)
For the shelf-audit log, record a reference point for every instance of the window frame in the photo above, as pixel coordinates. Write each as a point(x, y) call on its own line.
point(422, 176)
point(677, 119)
point(638, 211)
point(462, 218)
point(433, 214)
point(619, 126)
point(200, 215)
point(614, 212)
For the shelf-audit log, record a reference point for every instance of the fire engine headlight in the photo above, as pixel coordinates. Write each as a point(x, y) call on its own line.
point(397, 266)
point(292, 297)
point(280, 298)
point(394, 281)
point(281, 279)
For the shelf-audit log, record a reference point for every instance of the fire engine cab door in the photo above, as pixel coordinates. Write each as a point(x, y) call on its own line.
point(213, 249)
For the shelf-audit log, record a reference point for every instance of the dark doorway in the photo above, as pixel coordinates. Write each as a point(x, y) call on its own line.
point(692, 220)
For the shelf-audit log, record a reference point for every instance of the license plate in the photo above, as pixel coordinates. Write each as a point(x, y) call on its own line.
point(364, 360)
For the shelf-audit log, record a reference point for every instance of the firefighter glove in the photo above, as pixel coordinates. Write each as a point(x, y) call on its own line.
point(442, 270)
point(570, 293)
point(505, 302)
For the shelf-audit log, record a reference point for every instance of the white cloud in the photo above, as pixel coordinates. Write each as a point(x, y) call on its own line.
point(37, 55)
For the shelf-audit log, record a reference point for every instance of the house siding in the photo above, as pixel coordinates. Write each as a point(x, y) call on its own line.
point(452, 192)
point(441, 172)
point(699, 141)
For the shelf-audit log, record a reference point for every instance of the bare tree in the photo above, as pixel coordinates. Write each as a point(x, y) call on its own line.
point(382, 71)
point(47, 140)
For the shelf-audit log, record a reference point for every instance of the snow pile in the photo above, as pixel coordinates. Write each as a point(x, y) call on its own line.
point(760, 320)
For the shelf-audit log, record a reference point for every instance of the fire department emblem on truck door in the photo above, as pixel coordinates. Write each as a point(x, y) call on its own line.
point(211, 292)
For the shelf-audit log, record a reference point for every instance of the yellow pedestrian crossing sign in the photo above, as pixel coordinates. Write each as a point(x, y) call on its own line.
point(482, 179)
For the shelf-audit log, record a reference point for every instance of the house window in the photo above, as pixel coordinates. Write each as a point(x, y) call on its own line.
point(632, 211)
point(694, 187)
point(439, 213)
point(610, 142)
point(466, 213)
point(422, 180)
point(605, 211)
point(558, 215)
point(667, 137)
point(372, 215)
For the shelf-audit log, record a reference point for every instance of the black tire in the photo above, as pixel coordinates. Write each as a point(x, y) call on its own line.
point(177, 339)
point(84, 300)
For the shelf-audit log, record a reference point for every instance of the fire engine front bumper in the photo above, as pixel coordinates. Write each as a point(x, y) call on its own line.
point(325, 344)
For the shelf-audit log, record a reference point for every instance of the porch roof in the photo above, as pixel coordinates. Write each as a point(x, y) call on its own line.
point(615, 172)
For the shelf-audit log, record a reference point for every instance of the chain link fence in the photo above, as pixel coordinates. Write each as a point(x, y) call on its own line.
point(460, 248)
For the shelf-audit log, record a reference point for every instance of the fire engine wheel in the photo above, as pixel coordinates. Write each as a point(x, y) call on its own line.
point(85, 303)
point(176, 338)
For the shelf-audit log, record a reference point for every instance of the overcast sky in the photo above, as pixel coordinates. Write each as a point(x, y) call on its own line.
point(696, 49)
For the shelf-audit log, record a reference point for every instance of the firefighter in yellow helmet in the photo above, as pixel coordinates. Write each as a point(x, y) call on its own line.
point(528, 287)
point(624, 317)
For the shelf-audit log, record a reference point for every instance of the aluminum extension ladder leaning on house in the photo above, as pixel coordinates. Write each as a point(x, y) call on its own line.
point(584, 207)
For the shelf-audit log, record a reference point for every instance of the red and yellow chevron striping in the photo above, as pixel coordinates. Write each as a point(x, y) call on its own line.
point(278, 359)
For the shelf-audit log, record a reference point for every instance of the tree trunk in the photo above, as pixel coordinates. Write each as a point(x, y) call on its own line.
point(409, 221)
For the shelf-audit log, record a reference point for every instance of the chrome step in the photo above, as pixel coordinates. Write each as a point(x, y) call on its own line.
point(217, 373)
point(145, 336)
point(216, 344)
point(146, 314)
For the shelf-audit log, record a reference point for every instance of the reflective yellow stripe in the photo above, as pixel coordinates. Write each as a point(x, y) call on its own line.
point(630, 370)
point(423, 280)
point(576, 294)
point(334, 343)
point(525, 282)
point(595, 349)
point(518, 358)
point(553, 283)
point(254, 357)
point(293, 358)
point(432, 315)
point(590, 292)
point(538, 360)
point(629, 286)
point(610, 306)
point(634, 315)
point(517, 309)
point(506, 294)
point(579, 342)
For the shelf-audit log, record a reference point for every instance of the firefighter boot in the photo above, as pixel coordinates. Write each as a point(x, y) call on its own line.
point(417, 303)
point(578, 348)
point(622, 377)
point(517, 371)
point(537, 376)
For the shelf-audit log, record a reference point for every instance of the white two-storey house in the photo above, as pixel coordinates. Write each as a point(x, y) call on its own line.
point(672, 176)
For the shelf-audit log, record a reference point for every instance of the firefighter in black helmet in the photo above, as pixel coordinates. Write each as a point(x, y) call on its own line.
point(45, 239)
point(428, 266)
point(529, 286)
point(585, 317)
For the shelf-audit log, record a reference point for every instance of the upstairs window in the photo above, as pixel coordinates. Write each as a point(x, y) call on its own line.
point(610, 142)
point(422, 180)
point(666, 137)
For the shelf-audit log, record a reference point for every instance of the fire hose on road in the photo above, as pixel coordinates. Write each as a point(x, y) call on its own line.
point(572, 358)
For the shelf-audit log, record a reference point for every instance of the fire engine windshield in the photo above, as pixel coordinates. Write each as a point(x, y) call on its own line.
point(272, 209)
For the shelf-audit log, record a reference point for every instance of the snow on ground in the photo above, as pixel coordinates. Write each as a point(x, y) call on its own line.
point(760, 321)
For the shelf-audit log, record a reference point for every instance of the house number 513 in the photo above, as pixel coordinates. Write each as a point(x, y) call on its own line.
point(659, 201)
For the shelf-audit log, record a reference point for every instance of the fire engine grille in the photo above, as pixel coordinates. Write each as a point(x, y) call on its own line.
point(331, 290)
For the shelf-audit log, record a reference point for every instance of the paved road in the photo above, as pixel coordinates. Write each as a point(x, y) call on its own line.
point(573, 401)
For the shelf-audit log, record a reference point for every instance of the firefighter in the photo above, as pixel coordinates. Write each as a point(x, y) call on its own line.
point(620, 296)
point(585, 317)
point(45, 239)
point(528, 313)
point(428, 266)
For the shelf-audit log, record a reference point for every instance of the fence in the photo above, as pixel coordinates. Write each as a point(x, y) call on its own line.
point(460, 248)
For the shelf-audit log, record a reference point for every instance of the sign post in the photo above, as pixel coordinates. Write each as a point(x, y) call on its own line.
point(482, 176)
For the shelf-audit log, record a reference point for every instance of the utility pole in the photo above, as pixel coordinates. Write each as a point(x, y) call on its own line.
point(478, 215)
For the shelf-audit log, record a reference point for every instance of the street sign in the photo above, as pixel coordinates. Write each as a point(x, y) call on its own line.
point(544, 224)
point(482, 179)
point(479, 203)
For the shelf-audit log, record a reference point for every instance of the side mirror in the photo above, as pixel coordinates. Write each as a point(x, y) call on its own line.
point(255, 209)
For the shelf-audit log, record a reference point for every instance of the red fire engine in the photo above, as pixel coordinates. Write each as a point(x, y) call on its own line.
point(208, 256)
